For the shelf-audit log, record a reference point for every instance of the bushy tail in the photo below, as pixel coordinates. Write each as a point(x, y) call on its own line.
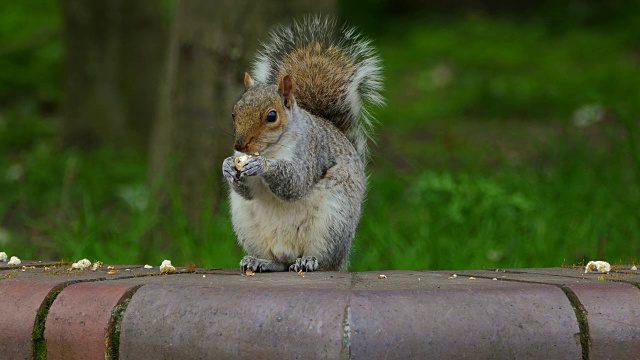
point(336, 73)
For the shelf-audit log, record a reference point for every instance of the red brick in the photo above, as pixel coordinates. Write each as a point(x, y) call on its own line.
point(20, 302)
point(78, 321)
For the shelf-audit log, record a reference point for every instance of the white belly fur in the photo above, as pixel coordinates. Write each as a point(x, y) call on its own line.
point(270, 228)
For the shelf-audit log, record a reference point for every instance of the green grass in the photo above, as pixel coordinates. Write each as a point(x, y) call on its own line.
point(479, 163)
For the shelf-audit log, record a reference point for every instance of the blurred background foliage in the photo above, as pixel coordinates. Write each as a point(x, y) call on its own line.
point(510, 138)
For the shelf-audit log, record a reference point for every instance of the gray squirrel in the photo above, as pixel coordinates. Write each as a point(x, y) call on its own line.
point(301, 128)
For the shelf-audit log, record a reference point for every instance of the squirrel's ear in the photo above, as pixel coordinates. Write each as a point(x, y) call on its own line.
point(248, 81)
point(285, 88)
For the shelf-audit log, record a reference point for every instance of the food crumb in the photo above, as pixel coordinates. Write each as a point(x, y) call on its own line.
point(598, 266)
point(148, 267)
point(204, 276)
point(14, 261)
point(110, 267)
point(112, 272)
point(81, 264)
point(3, 256)
point(96, 265)
point(250, 272)
point(453, 276)
point(472, 278)
point(166, 267)
point(301, 273)
point(634, 268)
point(494, 279)
point(382, 276)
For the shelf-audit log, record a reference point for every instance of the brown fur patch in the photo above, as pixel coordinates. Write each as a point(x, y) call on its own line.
point(320, 75)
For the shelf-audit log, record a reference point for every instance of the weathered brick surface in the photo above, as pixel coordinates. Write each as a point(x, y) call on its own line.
point(190, 322)
point(441, 318)
point(524, 313)
point(612, 307)
point(78, 322)
point(613, 312)
point(5, 266)
point(23, 293)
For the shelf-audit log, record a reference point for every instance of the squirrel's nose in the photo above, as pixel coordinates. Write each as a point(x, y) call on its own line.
point(239, 144)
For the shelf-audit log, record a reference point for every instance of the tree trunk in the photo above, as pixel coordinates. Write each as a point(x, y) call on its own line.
point(212, 44)
point(114, 52)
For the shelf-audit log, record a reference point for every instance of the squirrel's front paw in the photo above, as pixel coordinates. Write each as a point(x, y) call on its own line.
point(255, 167)
point(229, 169)
point(307, 263)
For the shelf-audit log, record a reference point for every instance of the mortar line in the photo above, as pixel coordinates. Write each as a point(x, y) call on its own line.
point(112, 336)
point(513, 271)
point(346, 323)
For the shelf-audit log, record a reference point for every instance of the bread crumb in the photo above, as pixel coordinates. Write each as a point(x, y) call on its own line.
point(3, 256)
point(472, 278)
point(494, 279)
point(166, 267)
point(148, 267)
point(112, 272)
point(204, 276)
point(382, 276)
point(111, 267)
point(634, 268)
point(81, 264)
point(249, 272)
point(598, 266)
point(14, 261)
point(453, 276)
point(96, 265)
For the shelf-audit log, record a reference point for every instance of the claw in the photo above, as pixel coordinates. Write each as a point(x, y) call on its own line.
point(306, 264)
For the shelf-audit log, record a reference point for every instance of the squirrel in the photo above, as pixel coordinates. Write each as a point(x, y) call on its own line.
point(296, 200)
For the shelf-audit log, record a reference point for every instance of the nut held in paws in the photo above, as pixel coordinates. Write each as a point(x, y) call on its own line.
point(242, 160)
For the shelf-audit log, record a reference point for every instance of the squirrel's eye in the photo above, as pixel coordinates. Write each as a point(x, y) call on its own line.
point(233, 115)
point(272, 116)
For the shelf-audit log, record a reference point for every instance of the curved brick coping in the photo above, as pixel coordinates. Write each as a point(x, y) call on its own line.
point(136, 314)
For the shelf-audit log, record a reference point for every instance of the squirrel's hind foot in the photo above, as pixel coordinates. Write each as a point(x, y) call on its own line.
point(307, 263)
point(260, 265)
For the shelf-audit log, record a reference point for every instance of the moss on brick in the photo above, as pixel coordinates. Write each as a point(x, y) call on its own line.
point(37, 337)
point(583, 323)
point(115, 325)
